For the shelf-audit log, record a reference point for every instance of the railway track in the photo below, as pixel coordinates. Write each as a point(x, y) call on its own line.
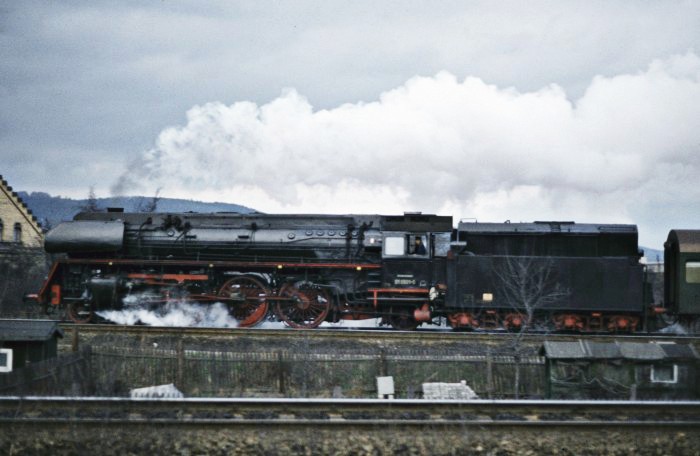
point(45, 412)
point(341, 426)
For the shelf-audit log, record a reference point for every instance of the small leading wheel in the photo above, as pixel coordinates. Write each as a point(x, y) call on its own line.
point(305, 306)
point(80, 312)
point(246, 299)
point(403, 320)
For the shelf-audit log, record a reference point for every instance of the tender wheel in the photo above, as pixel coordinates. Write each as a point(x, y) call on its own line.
point(305, 306)
point(80, 312)
point(246, 299)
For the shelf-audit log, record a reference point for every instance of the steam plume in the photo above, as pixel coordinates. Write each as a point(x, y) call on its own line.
point(173, 313)
point(626, 151)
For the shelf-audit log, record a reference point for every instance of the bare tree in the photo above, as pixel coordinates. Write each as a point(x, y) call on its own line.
point(528, 284)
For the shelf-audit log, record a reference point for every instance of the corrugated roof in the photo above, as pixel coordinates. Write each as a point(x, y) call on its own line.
point(565, 350)
point(583, 349)
point(641, 351)
point(602, 350)
point(674, 351)
point(28, 330)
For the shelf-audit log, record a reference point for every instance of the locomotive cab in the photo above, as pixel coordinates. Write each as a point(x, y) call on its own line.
point(406, 259)
point(414, 248)
point(414, 251)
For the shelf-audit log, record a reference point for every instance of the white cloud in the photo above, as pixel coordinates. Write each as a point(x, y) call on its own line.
point(629, 145)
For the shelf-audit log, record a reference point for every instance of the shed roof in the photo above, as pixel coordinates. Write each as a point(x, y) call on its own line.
point(676, 351)
point(28, 330)
point(641, 351)
point(583, 349)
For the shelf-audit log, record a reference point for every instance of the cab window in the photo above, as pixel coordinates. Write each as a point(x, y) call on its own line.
point(411, 245)
point(394, 246)
point(417, 245)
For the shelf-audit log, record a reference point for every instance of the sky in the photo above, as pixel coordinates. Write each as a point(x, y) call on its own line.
point(521, 111)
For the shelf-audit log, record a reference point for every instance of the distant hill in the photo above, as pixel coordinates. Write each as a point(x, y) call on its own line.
point(653, 255)
point(51, 210)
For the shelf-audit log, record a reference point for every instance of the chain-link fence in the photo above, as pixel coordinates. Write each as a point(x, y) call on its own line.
point(287, 373)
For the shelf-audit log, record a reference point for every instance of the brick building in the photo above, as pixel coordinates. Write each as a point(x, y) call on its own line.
point(23, 262)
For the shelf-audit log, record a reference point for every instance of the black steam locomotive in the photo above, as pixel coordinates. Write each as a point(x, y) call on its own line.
point(405, 269)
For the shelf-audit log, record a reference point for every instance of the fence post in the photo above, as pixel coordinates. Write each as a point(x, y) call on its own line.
point(91, 380)
point(489, 373)
point(180, 365)
point(517, 375)
point(75, 340)
point(85, 375)
point(383, 365)
point(281, 374)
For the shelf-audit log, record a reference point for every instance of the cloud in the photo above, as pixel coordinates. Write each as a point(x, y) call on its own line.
point(630, 144)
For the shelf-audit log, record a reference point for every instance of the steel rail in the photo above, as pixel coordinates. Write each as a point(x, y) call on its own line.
point(258, 425)
point(675, 425)
point(349, 412)
point(393, 405)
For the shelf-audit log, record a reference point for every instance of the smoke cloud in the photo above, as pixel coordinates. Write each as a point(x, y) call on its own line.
point(173, 313)
point(626, 151)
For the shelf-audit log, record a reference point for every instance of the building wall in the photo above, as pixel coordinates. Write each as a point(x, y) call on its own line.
point(619, 379)
point(14, 213)
point(23, 262)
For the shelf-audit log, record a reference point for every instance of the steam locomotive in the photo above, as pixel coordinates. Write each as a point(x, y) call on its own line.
point(407, 270)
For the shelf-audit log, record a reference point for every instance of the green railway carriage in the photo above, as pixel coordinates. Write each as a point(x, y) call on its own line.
point(682, 276)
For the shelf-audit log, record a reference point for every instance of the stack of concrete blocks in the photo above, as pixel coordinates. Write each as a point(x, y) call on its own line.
point(157, 392)
point(448, 391)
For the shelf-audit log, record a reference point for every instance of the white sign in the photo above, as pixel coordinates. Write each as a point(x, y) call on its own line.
point(5, 360)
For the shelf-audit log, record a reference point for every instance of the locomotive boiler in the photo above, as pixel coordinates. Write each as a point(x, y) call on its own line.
point(407, 270)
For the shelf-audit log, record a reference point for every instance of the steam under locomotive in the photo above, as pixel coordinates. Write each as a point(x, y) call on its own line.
point(408, 270)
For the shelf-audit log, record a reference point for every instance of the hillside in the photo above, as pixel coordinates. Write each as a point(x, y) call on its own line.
point(51, 210)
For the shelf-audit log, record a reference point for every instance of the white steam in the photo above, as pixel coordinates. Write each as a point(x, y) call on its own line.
point(627, 151)
point(173, 313)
